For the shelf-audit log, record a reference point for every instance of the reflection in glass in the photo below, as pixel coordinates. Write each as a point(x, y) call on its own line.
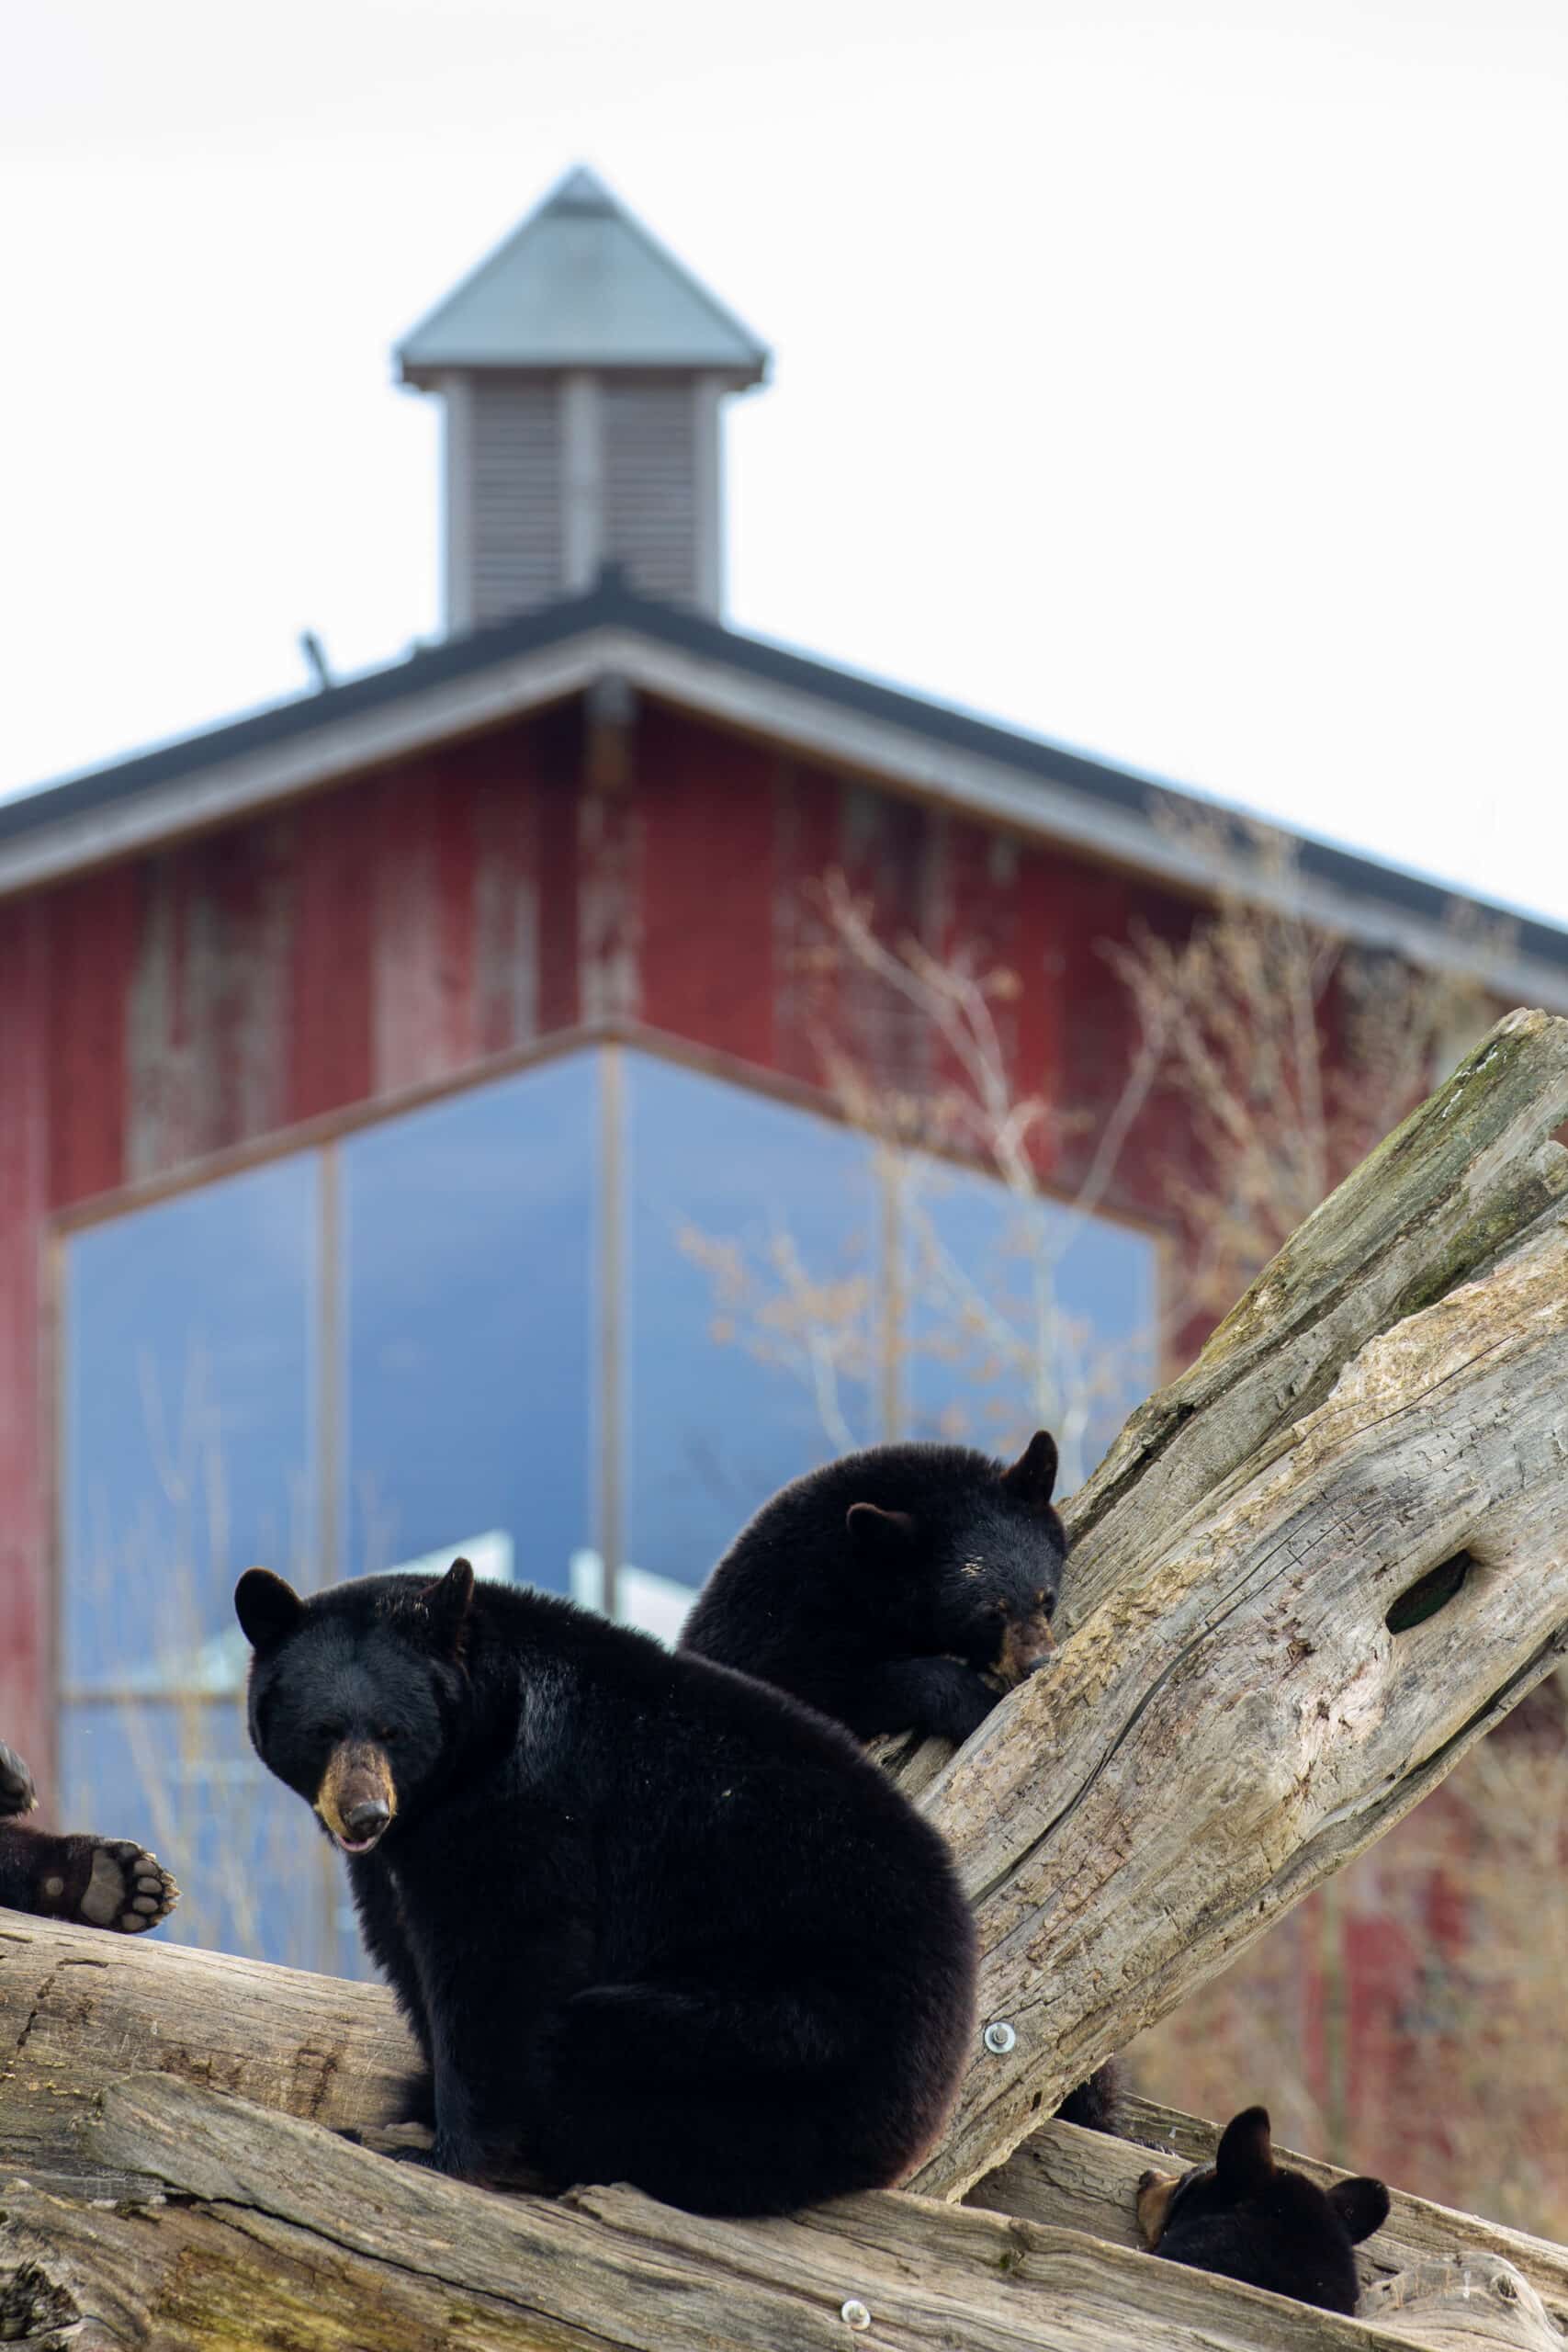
point(179, 1776)
point(189, 1424)
point(1020, 1314)
point(468, 1234)
point(752, 1233)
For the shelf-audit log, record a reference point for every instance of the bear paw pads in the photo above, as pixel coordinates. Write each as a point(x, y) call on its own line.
point(127, 1889)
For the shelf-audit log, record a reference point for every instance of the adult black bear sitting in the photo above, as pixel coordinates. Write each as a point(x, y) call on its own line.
point(96, 1881)
point(901, 1589)
point(649, 1920)
point(1249, 2218)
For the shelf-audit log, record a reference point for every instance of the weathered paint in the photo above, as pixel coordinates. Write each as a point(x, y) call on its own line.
point(25, 1075)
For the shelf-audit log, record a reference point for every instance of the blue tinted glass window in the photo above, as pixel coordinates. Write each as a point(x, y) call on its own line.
point(751, 1240)
point(189, 1418)
point(467, 1236)
point(255, 1874)
point(1020, 1314)
point(190, 1411)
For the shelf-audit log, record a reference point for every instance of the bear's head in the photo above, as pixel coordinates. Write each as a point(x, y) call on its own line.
point(1249, 2218)
point(973, 1566)
point(355, 1692)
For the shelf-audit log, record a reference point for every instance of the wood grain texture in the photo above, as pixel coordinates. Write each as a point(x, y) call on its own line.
point(291, 2237)
point(1230, 1719)
point(78, 2009)
point(1073, 2179)
point(283, 2235)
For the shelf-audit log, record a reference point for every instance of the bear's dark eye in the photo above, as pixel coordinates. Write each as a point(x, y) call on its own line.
point(387, 1735)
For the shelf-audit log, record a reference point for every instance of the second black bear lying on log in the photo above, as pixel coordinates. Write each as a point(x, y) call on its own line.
point(649, 1920)
point(905, 1587)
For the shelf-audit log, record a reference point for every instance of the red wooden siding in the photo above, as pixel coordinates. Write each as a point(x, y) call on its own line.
point(24, 1073)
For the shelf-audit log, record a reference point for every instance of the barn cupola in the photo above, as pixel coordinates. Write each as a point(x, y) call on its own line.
point(582, 372)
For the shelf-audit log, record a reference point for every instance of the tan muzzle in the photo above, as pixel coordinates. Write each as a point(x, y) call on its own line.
point(357, 1798)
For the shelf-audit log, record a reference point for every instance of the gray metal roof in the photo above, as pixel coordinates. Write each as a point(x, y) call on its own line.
point(208, 778)
point(580, 284)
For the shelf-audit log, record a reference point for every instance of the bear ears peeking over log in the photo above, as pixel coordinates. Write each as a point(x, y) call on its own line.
point(1249, 2218)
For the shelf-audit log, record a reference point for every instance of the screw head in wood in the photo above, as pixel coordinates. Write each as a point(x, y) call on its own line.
point(999, 2038)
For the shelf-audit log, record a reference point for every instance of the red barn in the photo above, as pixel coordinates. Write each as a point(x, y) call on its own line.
point(420, 1121)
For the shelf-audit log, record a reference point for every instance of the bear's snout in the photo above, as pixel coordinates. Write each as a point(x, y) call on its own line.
point(357, 1798)
point(1155, 2192)
point(1026, 1645)
point(367, 1821)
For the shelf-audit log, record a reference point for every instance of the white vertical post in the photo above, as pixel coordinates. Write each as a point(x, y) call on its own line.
point(707, 477)
point(457, 521)
point(582, 481)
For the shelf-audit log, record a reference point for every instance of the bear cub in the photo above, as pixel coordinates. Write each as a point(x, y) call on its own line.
point(1249, 2218)
point(904, 1588)
point(93, 1882)
point(649, 1920)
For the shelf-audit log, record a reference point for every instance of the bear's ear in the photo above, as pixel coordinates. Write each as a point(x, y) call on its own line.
point(1244, 2160)
point(265, 1607)
point(1361, 2204)
point(445, 1604)
point(881, 1538)
point(1033, 1475)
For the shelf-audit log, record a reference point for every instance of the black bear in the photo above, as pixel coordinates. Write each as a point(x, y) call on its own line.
point(904, 1588)
point(1249, 2218)
point(649, 1920)
point(96, 1881)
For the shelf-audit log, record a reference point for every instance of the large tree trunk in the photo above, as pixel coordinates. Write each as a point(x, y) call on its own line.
point(1231, 1720)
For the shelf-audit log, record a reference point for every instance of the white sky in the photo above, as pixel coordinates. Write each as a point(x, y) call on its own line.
point(1188, 382)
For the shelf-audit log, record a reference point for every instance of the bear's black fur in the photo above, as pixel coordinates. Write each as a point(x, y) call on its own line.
point(649, 1920)
point(904, 1588)
point(1249, 2218)
point(95, 1882)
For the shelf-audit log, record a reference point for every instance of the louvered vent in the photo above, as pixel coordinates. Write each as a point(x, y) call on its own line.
point(651, 488)
point(515, 489)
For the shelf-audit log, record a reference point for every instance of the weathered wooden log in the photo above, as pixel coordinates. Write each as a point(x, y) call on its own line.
point(78, 2009)
point(283, 2234)
point(1085, 2180)
point(85, 2228)
point(1235, 1717)
point(1483, 2305)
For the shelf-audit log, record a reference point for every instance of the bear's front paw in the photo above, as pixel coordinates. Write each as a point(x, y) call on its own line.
point(16, 1791)
point(457, 2152)
point(127, 1889)
point(959, 1700)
